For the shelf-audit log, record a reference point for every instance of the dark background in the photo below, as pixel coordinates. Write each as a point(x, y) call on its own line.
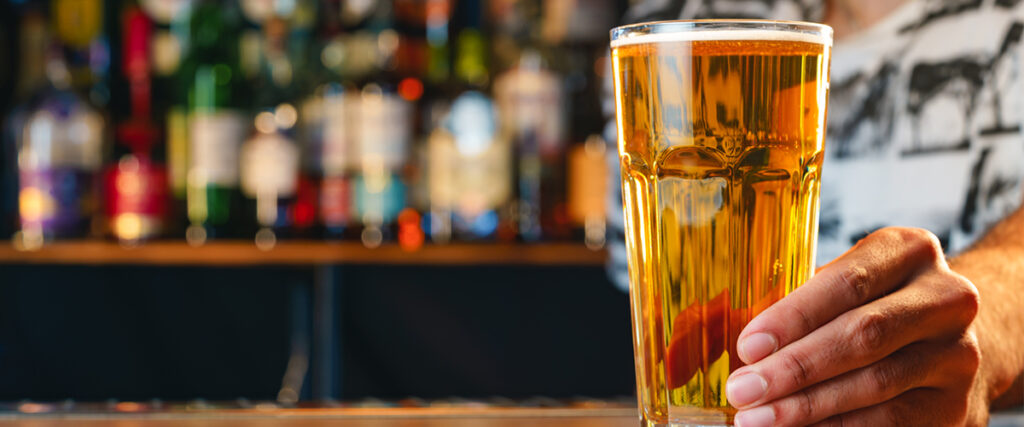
point(217, 333)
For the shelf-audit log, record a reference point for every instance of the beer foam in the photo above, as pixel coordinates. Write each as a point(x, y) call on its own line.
point(719, 35)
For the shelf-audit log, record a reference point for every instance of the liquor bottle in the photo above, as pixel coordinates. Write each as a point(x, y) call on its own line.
point(325, 133)
point(385, 127)
point(383, 140)
point(269, 173)
point(441, 165)
point(530, 102)
point(57, 132)
point(270, 157)
point(168, 44)
point(59, 143)
point(303, 53)
point(587, 161)
point(470, 172)
point(136, 184)
point(469, 164)
point(334, 129)
point(212, 79)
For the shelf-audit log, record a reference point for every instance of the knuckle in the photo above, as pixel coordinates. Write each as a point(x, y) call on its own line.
point(806, 407)
point(925, 243)
point(857, 282)
point(795, 364)
point(868, 332)
point(957, 296)
point(887, 378)
point(798, 409)
point(799, 313)
point(968, 298)
point(917, 240)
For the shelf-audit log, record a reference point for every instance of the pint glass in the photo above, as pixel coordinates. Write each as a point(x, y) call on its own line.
point(721, 134)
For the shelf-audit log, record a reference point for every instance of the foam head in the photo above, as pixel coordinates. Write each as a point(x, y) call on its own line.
point(722, 35)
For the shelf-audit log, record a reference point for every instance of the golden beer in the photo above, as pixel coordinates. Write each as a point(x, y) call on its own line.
point(721, 140)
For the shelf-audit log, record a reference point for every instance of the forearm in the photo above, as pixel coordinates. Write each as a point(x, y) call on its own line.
point(996, 266)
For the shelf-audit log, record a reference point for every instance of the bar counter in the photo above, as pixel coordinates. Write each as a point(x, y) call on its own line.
point(356, 417)
point(365, 417)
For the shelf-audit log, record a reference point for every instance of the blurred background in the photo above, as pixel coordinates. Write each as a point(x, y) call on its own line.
point(291, 200)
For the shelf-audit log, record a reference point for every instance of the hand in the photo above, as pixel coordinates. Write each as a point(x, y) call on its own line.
point(880, 336)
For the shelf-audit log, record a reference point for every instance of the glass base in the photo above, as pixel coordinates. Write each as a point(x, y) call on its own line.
point(690, 417)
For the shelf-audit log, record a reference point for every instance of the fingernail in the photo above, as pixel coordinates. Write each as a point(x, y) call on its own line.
point(745, 389)
point(757, 346)
point(761, 416)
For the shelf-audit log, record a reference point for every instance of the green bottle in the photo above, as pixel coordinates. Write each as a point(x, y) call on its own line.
point(212, 78)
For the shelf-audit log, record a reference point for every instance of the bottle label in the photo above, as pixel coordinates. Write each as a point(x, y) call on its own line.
point(335, 201)
point(482, 172)
point(215, 141)
point(588, 183)
point(530, 103)
point(339, 119)
point(136, 198)
point(484, 180)
point(379, 198)
point(73, 138)
point(270, 165)
point(442, 166)
point(384, 132)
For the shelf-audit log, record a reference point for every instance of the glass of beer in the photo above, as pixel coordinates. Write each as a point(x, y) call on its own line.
point(721, 133)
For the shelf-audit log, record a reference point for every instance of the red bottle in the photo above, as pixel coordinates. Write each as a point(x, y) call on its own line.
point(136, 184)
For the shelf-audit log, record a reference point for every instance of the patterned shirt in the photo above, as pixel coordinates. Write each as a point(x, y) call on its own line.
point(924, 126)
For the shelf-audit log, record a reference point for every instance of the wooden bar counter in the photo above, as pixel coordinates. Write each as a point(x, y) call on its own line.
point(375, 417)
point(355, 417)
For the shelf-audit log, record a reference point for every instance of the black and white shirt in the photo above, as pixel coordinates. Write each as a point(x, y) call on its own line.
point(924, 125)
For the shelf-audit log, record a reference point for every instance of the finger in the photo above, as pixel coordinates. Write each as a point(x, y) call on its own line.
point(918, 365)
point(857, 338)
point(692, 328)
point(878, 264)
point(917, 407)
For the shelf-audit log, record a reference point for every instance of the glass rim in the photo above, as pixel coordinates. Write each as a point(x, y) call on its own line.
point(727, 29)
